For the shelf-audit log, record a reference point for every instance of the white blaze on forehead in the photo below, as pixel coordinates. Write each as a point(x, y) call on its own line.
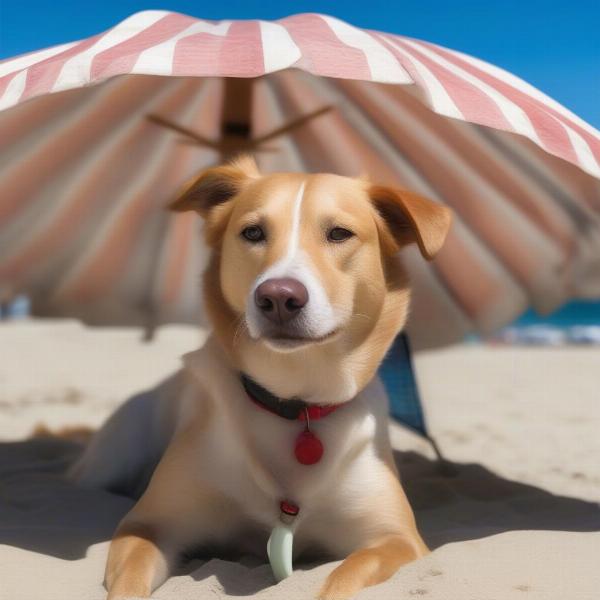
point(294, 242)
point(284, 265)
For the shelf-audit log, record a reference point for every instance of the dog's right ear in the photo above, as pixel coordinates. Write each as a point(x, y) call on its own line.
point(411, 218)
point(215, 186)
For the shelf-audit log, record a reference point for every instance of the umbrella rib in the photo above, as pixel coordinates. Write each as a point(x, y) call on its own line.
point(291, 125)
point(158, 120)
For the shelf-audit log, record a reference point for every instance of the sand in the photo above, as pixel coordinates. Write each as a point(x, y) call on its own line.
point(518, 518)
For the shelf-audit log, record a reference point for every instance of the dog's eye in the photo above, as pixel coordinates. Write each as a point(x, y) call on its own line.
point(339, 234)
point(253, 233)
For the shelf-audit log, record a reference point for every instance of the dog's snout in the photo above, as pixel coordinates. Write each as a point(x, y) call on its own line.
point(281, 299)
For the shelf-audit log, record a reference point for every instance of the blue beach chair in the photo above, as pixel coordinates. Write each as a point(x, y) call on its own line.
point(398, 376)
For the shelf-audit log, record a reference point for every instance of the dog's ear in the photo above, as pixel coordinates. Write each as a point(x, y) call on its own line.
point(412, 218)
point(215, 186)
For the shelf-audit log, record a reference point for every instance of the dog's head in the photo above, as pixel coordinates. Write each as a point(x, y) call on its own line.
point(302, 261)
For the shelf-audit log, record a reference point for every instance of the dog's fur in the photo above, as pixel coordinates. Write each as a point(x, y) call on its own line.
point(223, 465)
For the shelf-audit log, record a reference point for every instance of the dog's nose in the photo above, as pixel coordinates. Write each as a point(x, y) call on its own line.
point(280, 300)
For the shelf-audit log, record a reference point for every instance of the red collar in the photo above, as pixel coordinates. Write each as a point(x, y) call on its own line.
point(293, 409)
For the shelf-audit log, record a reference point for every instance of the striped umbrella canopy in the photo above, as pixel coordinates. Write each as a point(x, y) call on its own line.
point(97, 135)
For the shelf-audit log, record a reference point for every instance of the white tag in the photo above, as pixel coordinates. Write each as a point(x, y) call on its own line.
point(279, 550)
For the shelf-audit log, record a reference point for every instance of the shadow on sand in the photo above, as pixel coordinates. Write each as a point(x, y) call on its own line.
point(40, 510)
point(472, 502)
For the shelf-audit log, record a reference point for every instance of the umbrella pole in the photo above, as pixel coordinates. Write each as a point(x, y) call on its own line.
point(236, 116)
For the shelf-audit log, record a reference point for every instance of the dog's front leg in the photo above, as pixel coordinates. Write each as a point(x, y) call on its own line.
point(369, 566)
point(138, 562)
point(378, 556)
point(177, 511)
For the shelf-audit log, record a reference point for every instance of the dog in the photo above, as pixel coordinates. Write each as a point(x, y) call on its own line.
point(279, 414)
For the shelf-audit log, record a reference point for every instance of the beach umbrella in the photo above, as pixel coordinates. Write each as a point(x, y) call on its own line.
point(97, 135)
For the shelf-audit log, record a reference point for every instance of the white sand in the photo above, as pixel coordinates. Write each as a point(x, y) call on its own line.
point(517, 520)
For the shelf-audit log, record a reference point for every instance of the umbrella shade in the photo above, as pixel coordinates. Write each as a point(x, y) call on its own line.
point(85, 174)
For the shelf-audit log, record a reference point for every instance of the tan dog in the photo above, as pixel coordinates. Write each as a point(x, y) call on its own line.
point(305, 295)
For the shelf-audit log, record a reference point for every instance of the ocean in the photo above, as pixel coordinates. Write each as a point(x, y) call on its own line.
point(580, 312)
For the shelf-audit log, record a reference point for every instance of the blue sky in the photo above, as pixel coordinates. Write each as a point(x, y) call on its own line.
point(553, 45)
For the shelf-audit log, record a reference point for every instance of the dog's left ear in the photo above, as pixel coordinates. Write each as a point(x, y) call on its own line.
point(215, 186)
point(412, 218)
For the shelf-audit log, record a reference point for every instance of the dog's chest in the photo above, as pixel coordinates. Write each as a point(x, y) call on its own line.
point(253, 458)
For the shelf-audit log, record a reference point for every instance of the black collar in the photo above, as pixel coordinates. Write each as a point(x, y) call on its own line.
point(291, 409)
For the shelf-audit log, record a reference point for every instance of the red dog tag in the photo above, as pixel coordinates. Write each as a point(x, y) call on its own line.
point(309, 448)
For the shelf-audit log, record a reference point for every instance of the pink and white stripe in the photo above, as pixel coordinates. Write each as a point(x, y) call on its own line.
point(84, 174)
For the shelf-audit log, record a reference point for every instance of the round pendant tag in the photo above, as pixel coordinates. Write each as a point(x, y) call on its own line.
point(309, 448)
